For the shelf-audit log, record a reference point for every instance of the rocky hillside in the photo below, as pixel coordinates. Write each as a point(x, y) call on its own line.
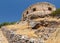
point(40, 23)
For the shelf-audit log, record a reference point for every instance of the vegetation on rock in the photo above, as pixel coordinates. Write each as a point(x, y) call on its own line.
point(6, 23)
point(56, 13)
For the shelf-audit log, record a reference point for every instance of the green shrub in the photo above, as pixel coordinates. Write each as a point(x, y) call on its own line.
point(57, 12)
point(6, 23)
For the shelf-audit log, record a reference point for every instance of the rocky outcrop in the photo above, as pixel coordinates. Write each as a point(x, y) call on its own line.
point(36, 26)
point(3, 39)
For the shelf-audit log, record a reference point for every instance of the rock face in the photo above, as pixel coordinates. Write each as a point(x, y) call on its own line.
point(36, 26)
point(3, 39)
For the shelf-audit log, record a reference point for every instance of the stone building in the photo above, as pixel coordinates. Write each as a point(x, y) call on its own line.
point(41, 8)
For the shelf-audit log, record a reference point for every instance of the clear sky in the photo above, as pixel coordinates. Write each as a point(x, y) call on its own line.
point(11, 10)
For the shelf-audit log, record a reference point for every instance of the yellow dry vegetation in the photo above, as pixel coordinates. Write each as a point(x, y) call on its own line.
point(55, 37)
point(22, 29)
point(25, 29)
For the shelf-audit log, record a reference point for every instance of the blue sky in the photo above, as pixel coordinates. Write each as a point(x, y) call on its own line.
point(11, 10)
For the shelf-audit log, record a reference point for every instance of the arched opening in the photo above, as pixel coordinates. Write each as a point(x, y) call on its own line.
point(34, 9)
point(49, 8)
point(27, 12)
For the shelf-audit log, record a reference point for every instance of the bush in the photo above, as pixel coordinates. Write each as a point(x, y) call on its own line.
point(6, 23)
point(57, 12)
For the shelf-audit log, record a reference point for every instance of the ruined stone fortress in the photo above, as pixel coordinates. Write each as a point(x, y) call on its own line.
point(40, 9)
point(36, 26)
